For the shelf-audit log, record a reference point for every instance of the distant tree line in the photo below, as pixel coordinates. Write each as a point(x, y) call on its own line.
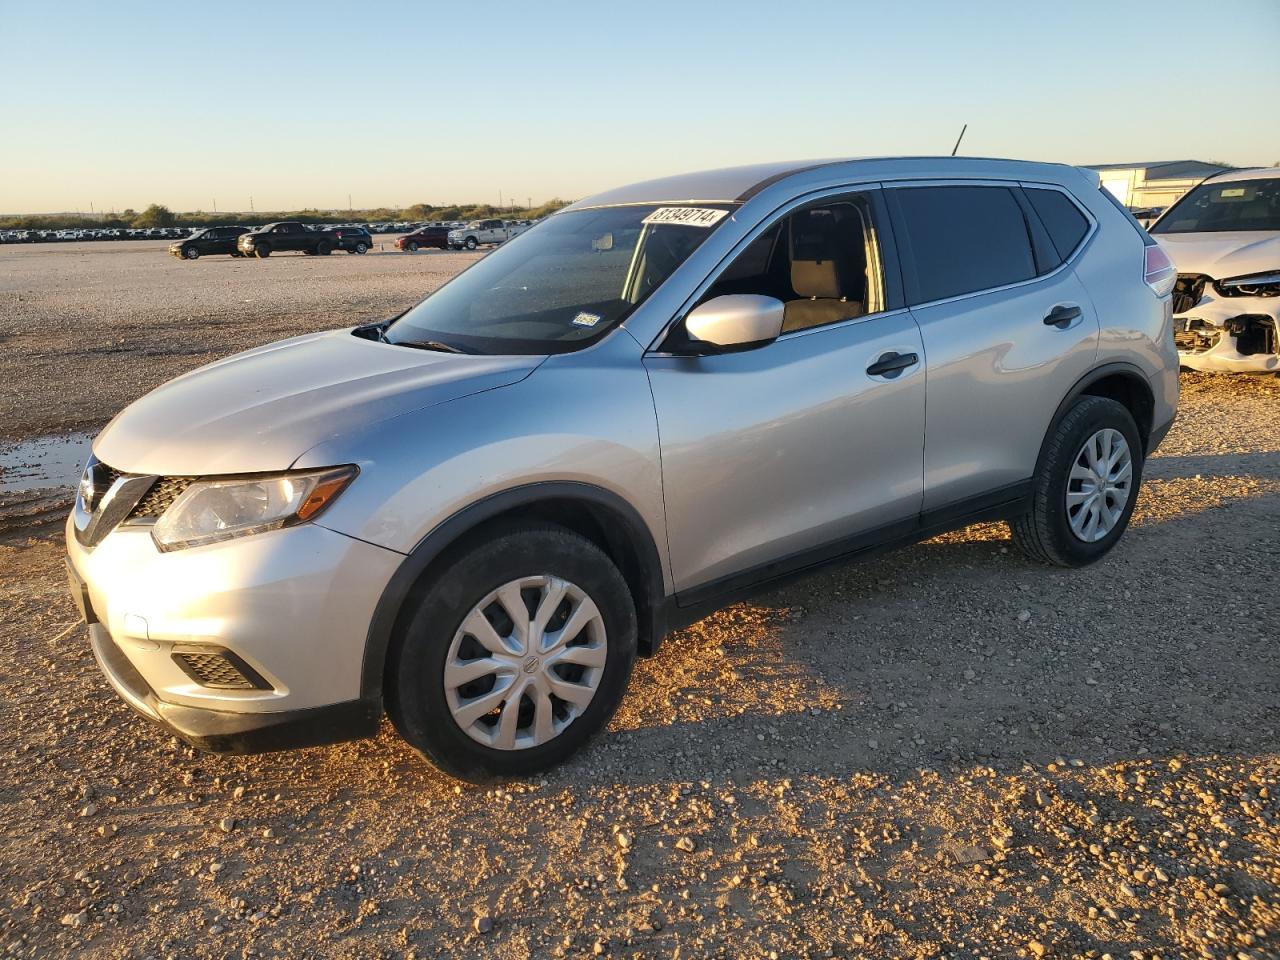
point(158, 215)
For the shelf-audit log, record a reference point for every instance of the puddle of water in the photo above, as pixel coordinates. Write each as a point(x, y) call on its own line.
point(44, 462)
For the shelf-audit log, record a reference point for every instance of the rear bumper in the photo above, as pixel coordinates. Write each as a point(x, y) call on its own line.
point(221, 731)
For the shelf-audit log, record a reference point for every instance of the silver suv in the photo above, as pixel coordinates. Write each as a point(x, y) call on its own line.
point(659, 400)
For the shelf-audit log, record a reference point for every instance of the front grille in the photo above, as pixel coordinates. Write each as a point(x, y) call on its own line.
point(1187, 291)
point(160, 497)
point(109, 476)
point(219, 669)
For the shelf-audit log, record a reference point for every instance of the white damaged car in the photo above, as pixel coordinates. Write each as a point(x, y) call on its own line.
point(1224, 238)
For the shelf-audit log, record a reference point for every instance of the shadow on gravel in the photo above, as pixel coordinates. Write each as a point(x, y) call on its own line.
point(947, 654)
point(1261, 464)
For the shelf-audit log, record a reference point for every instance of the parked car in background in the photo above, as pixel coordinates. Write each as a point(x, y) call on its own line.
point(424, 237)
point(1146, 215)
point(479, 232)
point(286, 235)
point(210, 240)
point(475, 516)
point(1224, 236)
point(353, 239)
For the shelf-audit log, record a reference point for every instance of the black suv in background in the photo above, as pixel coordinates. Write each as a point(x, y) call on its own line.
point(207, 241)
point(288, 235)
point(353, 239)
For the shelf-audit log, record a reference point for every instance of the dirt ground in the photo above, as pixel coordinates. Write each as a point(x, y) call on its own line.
point(948, 752)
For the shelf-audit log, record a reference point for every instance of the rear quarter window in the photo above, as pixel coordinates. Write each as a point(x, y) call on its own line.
point(961, 239)
point(1063, 220)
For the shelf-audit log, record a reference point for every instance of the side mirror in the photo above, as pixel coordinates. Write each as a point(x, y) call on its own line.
point(736, 321)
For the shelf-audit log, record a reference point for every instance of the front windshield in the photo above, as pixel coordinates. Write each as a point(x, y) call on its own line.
point(562, 283)
point(1225, 206)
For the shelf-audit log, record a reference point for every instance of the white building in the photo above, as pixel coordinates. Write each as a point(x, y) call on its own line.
point(1155, 184)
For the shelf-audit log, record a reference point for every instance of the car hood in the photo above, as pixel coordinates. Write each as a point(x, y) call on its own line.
point(263, 409)
point(1223, 255)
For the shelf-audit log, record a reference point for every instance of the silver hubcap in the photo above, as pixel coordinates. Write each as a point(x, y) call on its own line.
point(525, 663)
point(1100, 484)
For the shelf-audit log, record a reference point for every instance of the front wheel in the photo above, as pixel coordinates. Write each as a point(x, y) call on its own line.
point(471, 243)
point(411, 246)
point(514, 657)
point(191, 253)
point(1086, 485)
point(261, 251)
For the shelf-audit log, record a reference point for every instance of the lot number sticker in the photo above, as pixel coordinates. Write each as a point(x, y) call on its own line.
point(687, 216)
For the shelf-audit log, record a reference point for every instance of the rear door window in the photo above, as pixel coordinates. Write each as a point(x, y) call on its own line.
point(1067, 226)
point(960, 239)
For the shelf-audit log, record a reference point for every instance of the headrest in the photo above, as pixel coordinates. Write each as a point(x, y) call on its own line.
point(815, 278)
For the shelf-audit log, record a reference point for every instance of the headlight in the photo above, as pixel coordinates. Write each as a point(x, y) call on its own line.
point(1256, 285)
point(219, 509)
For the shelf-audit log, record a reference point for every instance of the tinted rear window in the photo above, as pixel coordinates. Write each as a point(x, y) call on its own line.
point(1062, 218)
point(962, 239)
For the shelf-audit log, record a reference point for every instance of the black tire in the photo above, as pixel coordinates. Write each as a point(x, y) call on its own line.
point(323, 248)
point(471, 243)
point(1044, 532)
point(191, 253)
point(411, 246)
point(361, 247)
point(261, 251)
point(415, 694)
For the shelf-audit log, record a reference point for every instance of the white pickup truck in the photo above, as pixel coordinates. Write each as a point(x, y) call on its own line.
point(485, 231)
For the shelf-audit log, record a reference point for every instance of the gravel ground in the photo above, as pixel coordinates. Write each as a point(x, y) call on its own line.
point(85, 328)
point(949, 752)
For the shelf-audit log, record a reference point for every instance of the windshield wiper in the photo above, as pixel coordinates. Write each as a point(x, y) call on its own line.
point(430, 345)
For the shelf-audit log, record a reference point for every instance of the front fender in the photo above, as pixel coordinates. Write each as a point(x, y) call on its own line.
point(585, 417)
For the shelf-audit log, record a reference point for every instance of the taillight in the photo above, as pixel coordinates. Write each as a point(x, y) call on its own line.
point(1158, 271)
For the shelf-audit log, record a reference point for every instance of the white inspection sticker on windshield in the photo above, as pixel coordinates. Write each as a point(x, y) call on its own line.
point(687, 216)
point(585, 319)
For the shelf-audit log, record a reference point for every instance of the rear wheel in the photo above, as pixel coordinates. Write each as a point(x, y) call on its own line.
point(361, 247)
point(1086, 485)
point(324, 248)
point(516, 657)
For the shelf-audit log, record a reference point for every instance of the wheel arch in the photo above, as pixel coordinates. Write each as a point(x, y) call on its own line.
point(597, 514)
point(1119, 381)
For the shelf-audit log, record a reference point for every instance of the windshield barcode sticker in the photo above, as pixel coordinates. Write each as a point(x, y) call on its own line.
point(585, 319)
point(687, 216)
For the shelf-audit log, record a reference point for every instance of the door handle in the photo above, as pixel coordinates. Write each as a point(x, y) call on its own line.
point(1062, 315)
point(891, 364)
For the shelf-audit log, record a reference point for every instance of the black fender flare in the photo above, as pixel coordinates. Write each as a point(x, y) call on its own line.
point(390, 605)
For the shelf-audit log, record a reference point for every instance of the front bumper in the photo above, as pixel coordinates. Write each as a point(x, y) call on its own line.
point(291, 606)
point(1230, 334)
point(225, 731)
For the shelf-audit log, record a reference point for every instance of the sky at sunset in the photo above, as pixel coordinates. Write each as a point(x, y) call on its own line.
point(116, 105)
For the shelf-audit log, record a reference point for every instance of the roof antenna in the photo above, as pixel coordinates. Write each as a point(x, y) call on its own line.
point(958, 139)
